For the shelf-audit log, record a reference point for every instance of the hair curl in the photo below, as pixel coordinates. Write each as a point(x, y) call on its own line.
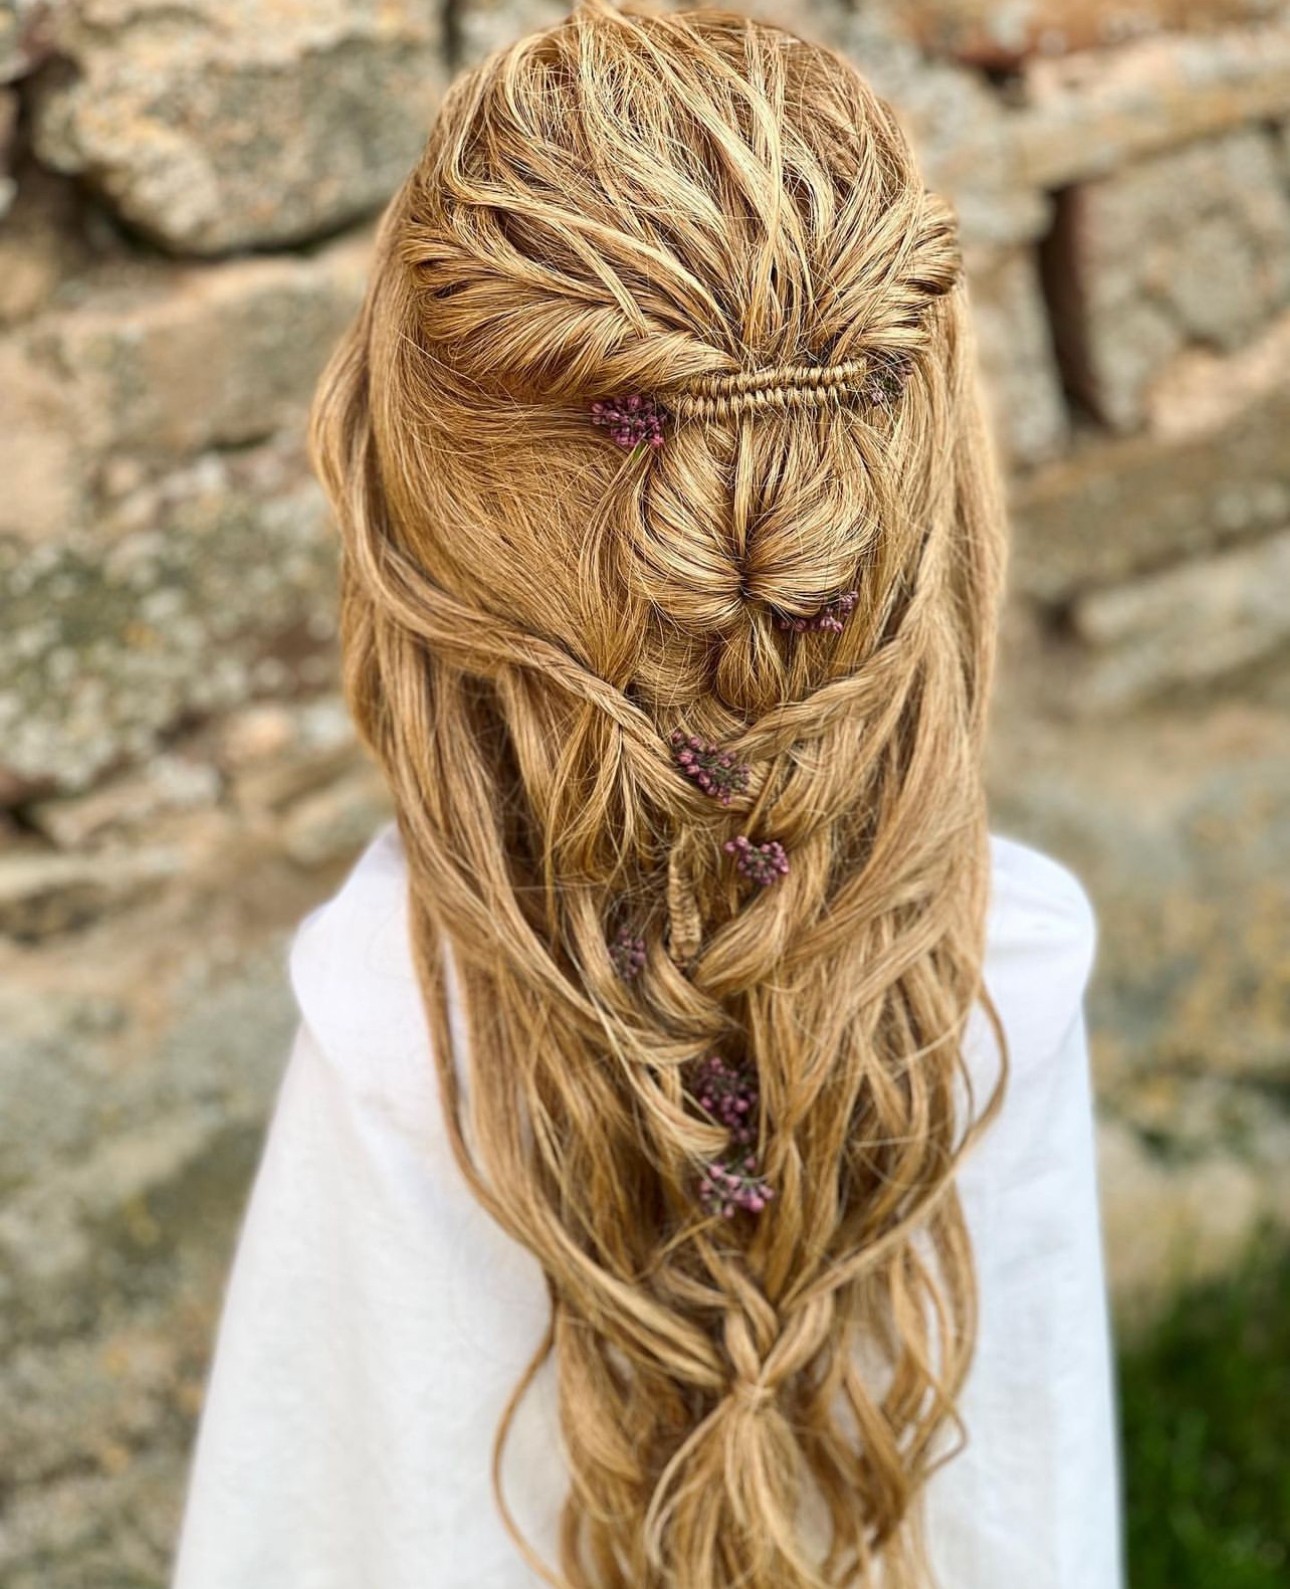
point(711, 211)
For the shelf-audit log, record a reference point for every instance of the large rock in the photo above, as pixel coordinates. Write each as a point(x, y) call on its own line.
point(207, 576)
point(41, 465)
point(1191, 247)
point(481, 26)
point(122, 1268)
point(25, 35)
point(1089, 114)
point(1000, 37)
point(138, 1060)
point(1113, 508)
point(1016, 354)
point(964, 136)
point(128, 804)
point(155, 361)
point(1204, 391)
point(1178, 821)
point(1189, 625)
point(218, 124)
point(42, 246)
point(41, 894)
point(203, 356)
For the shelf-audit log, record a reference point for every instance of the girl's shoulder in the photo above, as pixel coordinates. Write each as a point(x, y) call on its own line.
point(1041, 946)
point(1039, 909)
point(354, 979)
point(351, 963)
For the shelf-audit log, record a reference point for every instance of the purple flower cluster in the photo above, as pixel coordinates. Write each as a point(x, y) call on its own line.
point(729, 1094)
point(887, 380)
point(723, 1188)
point(630, 420)
point(627, 951)
point(715, 770)
point(763, 863)
point(832, 616)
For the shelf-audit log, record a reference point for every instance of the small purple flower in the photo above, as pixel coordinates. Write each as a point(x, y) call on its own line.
point(832, 616)
point(763, 863)
point(728, 1093)
point(724, 1187)
point(715, 770)
point(630, 420)
point(627, 951)
point(887, 380)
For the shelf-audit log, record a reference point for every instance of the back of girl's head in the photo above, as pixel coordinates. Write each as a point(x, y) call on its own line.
point(685, 745)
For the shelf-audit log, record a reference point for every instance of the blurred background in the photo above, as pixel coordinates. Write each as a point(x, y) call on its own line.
point(187, 189)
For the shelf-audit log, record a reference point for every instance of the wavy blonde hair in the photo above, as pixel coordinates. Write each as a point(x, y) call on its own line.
point(712, 211)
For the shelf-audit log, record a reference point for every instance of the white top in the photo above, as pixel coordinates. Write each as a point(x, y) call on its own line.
point(376, 1319)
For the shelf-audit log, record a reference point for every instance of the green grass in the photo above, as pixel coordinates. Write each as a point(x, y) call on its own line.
point(1205, 1405)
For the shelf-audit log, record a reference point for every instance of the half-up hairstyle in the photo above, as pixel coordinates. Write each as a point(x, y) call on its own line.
point(681, 700)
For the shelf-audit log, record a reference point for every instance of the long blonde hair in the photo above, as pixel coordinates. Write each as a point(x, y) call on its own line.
point(718, 215)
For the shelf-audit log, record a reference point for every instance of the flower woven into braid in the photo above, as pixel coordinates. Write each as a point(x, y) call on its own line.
point(711, 214)
point(714, 770)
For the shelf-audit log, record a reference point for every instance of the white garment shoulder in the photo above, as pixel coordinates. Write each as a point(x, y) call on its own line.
point(1040, 949)
point(356, 987)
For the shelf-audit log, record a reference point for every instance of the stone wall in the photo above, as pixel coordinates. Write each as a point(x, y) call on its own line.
point(188, 190)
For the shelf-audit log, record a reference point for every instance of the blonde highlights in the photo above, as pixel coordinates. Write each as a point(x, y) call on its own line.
point(709, 210)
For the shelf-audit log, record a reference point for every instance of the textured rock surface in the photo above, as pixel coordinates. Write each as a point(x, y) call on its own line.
point(1001, 36)
point(1178, 820)
point(1189, 247)
point(24, 36)
point(39, 459)
point(1017, 359)
point(1113, 508)
point(179, 783)
point(212, 125)
point(206, 572)
point(186, 359)
point(1205, 391)
point(1187, 625)
point(42, 246)
point(1091, 113)
point(111, 1267)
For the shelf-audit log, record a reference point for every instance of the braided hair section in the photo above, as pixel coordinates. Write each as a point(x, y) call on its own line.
point(671, 558)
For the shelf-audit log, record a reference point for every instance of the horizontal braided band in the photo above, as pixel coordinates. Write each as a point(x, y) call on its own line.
point(780, 386)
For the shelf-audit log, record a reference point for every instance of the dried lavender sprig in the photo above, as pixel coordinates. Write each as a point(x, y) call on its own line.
point(762, 863)
point(888, 378)
point(715, 770)
point(723, 1189)
point(630, 420)
point(628, 953)
point(832, 616)
point(729, 1093)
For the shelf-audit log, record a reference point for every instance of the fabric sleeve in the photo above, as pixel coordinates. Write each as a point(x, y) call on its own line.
point(1035, 1496)
point(374, 1323)
point(274, 1446)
